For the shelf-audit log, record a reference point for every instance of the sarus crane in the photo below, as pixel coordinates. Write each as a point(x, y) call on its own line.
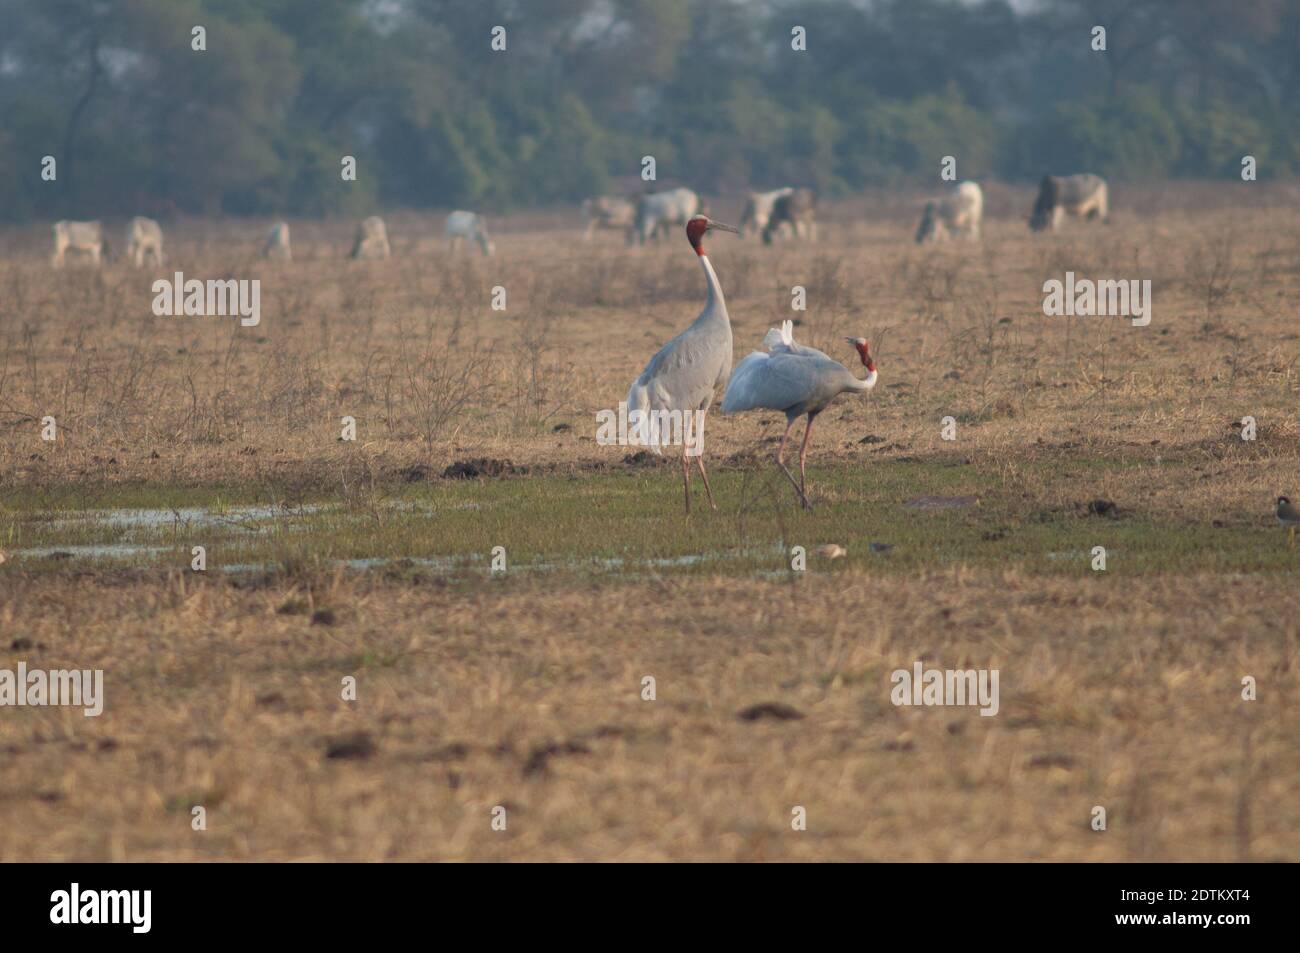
point(679, 382)
point(797, 380)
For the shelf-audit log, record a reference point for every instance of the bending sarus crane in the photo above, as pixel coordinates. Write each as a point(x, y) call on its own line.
point(798, 380)
point(680, 380)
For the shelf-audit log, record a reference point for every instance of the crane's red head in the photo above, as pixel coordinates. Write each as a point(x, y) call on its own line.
point(699, 225)
point(864, 352)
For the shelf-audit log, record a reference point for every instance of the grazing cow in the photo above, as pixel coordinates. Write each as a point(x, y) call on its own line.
point(961, 210)
point(143, 237)
point(372, 240)
point(795, 211)
point(607, 211)
point(1079, 196)
point(85, 237)
point(277, 243)
point(463, 226)
point(659, 211)
point(758, 210)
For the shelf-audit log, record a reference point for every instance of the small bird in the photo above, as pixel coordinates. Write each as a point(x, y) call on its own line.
point(1289, 516)
point(681, 378)
point(831, 551)
point(796, 379)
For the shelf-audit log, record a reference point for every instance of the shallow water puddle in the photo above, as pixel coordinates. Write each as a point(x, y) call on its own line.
point(439, 563)
point(139, 533)
point(189, 516)
point(148, 536)
point(101, 551)
point(481, 564)
point(442, 564)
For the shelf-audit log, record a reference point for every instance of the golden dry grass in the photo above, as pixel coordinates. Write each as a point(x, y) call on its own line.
point(525, 692)
point(1125, 697)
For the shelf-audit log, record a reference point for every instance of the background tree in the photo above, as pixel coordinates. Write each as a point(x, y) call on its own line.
point(258, 124)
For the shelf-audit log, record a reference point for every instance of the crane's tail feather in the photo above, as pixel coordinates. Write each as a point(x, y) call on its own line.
point(779, 337)
point(642, 424)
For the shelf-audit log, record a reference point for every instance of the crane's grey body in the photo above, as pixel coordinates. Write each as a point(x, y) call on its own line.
point(796, 380)
point(799, 381)
point(678, 384)
point(793, 378)
point(686, 372)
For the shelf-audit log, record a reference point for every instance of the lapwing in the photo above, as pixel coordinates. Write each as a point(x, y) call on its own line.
point(1288, 514)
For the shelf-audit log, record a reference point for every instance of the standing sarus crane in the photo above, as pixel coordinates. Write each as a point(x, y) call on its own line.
point(797, 380)
point(683, 376)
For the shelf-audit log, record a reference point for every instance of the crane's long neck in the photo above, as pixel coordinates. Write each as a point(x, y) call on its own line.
point(866, 383)
point(716, 307)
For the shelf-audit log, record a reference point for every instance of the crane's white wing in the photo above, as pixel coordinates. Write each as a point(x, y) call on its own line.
point(742, 389)
point(691, 361)
point(776, 381)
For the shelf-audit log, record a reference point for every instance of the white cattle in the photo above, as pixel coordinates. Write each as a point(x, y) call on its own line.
point(143, 237)
point(372, 240)
point(87, 237)
point(961, 210)
point(463, 226)
point(795, 214)
point(659, 210)
point(1079, 196)
point(277, 243)
point(608, 211)
point(758, 210)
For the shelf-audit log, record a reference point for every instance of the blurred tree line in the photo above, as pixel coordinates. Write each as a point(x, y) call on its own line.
point(259, 122)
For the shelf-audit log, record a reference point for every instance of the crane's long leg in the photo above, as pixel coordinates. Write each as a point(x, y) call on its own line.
point(1293, 537)
point(780, 462)
point(686, 479)
point(803, 455)
point(699, 460)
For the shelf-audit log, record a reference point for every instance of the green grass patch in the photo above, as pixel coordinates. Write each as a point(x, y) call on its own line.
point(627, 522)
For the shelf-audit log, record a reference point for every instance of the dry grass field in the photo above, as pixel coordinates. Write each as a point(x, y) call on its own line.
point(522, 689)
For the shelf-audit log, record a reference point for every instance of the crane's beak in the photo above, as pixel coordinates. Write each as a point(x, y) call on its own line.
point(719, 225)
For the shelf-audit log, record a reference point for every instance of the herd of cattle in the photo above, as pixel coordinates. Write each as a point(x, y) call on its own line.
point(144, 239)
point(787, 212)
point(791, 212)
